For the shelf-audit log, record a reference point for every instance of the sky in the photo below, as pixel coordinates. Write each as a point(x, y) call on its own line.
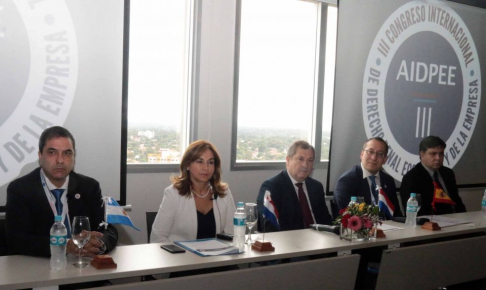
point(277, 62)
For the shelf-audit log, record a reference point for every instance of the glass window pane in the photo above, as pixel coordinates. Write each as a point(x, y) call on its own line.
point(331, 34)
point(278, 42)
point(158, 61)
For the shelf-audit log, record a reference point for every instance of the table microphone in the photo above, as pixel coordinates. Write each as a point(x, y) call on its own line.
point(326, 228)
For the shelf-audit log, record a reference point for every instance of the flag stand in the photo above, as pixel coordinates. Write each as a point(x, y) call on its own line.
point(431, 226)
point(377, 233)
point(263, 246)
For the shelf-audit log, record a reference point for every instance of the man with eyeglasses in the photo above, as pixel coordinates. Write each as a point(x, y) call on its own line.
point(435, 182)
point(368, 180)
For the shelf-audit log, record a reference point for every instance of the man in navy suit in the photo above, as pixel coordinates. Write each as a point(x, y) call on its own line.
point(54, 189)
point(298, 199)
point(427, 174)
point(364, 179)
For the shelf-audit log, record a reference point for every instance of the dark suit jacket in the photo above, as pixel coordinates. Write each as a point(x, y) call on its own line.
point(29, 216)
point(418, 180)
point(287, 203)
point(351, 183)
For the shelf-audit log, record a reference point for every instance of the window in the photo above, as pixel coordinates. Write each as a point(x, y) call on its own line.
point(282, 86)
point(160, 76)
point(329, 69)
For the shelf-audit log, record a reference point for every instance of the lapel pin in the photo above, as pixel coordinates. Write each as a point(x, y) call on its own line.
point(77, 196)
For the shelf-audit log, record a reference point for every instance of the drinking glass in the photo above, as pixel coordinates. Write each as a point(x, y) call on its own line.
point(418, 197)
point(251, 219)
point(80, 233)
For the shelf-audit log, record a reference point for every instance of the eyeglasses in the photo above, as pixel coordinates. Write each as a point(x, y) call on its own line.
point(372, 153)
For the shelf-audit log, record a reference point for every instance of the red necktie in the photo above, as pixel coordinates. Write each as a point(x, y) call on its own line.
point(304, 206)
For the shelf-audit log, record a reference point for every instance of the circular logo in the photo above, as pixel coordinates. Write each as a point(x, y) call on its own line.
point(422, 77)
point(38, 78)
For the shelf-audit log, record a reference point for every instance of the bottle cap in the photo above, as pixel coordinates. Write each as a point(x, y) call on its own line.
point(353, 198)
point(58, 218)
point(240, 204)
point(413, 194)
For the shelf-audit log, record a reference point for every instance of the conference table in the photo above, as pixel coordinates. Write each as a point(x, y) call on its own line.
point(147, 259)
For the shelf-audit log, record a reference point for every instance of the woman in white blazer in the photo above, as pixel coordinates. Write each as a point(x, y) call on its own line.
point(198, 204)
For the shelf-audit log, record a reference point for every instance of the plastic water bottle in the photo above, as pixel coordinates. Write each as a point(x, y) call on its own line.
point(58, 244)
point(353, 201)
point(412, 206)
point(483, 203)
point(239, 226)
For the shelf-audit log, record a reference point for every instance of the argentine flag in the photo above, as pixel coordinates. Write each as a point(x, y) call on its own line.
point(385, 204)
point(270, 212)
point(115, 214)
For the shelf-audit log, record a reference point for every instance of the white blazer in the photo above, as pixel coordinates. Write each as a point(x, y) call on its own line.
point(176, 219)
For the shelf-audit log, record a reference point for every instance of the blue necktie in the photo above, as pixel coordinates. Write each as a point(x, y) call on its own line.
point(373, 188)
point(57, 194)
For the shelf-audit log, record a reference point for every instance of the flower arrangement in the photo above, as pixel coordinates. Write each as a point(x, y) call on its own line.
point(357, 220)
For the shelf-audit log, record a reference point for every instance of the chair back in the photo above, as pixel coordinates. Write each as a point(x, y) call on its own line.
point(334, 209)
point(150, 217)
point(3, 237)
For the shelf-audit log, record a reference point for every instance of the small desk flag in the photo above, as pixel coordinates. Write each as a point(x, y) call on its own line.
point(440, 196)
point(269, 210)
point(384, 203)
point(115, 214)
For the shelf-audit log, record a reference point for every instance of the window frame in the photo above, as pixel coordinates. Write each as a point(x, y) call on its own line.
point(190, 102)
point(316, 129)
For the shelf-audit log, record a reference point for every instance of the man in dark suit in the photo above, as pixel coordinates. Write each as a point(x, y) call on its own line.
point(429, 174)
point(364, 179)
point(55, 189)
point(298, 199)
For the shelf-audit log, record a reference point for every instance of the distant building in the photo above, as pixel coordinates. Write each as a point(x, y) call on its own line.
point(135, 138)
point(169, 156)
point(149, 134)
point(154, 158)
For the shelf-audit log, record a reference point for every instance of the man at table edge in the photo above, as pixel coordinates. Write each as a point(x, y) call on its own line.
point(32, 204)
point(420, 179)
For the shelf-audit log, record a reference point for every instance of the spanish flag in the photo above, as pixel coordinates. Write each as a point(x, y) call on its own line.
point(440, 196)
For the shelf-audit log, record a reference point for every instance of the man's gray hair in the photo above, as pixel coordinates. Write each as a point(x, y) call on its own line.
point(300, 144)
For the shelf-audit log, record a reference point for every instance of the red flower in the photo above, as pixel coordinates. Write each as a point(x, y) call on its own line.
point(355, 223)
point(344, 220)
point(368, 223)
point(342, 211)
